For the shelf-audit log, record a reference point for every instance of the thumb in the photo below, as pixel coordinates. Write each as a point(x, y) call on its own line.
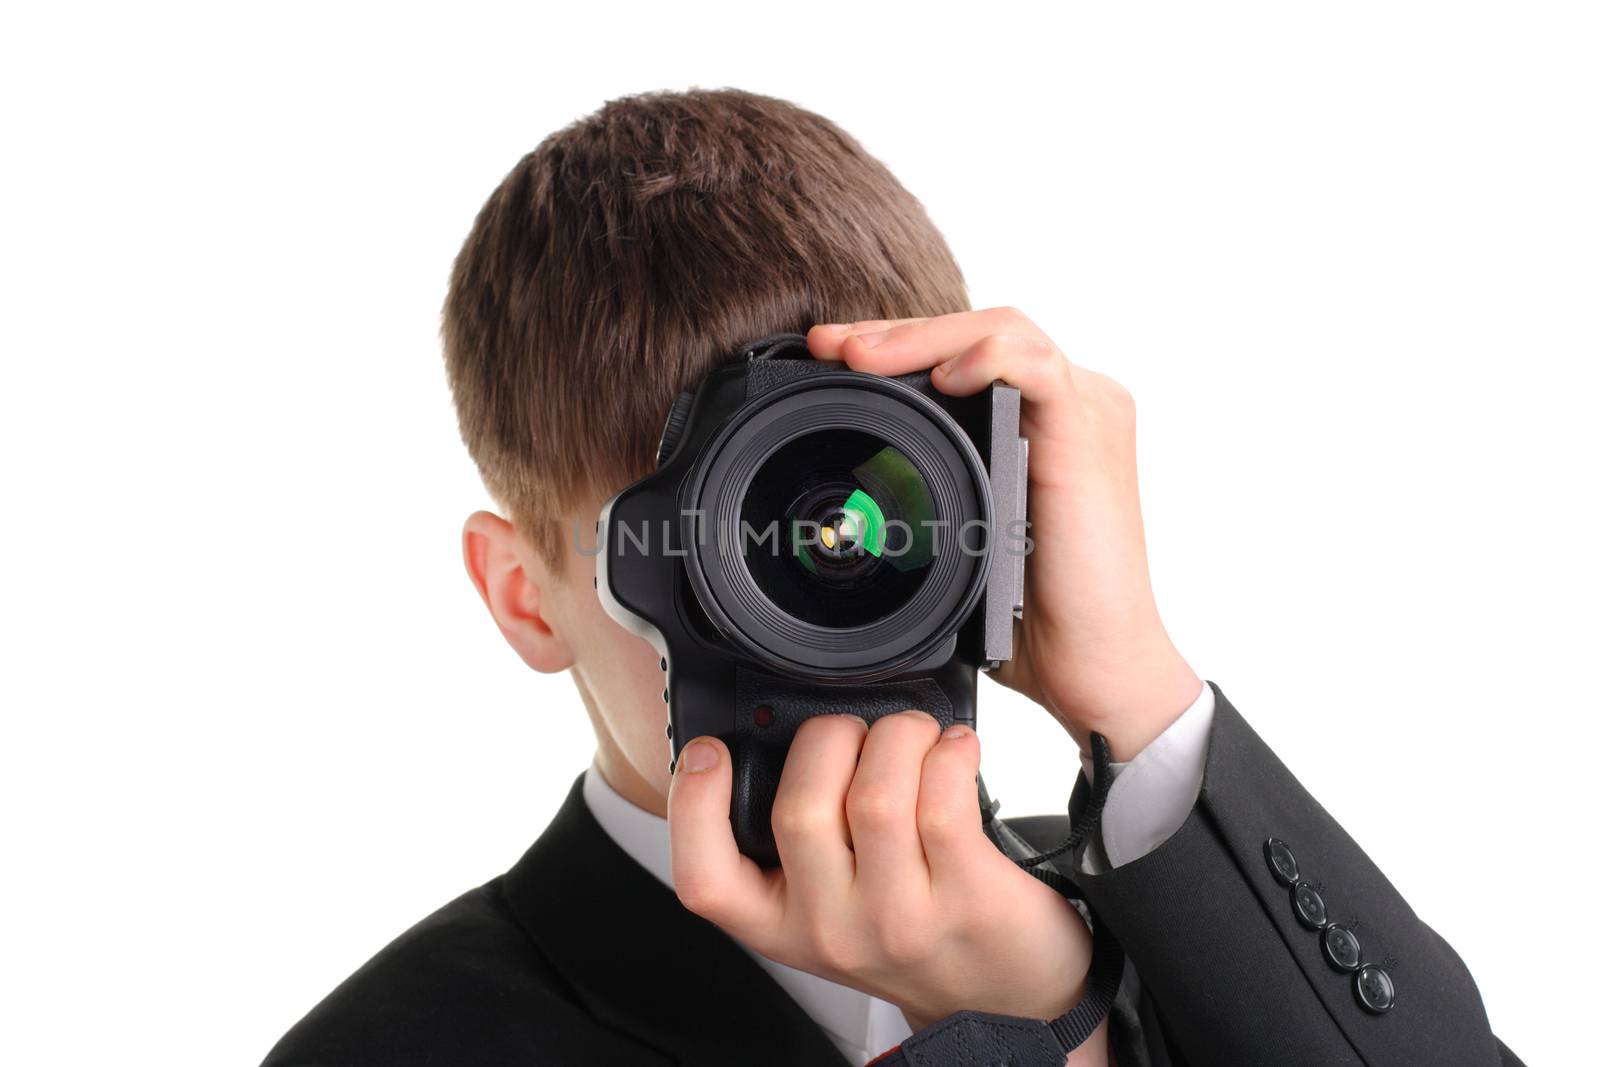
point(712, 877)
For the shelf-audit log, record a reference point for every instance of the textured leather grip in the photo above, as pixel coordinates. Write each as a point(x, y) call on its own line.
point(769, 710)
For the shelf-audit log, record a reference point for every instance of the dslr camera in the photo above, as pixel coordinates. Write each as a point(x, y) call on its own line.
point(817, 540)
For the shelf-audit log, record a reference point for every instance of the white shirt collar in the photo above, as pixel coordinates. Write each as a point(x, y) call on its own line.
point(862, 1026)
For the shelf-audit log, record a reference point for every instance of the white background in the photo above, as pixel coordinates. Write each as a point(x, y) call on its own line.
point(255, 720)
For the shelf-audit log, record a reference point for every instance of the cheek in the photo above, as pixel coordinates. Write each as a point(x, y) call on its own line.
point(634, 710)
point(633, 701)
point(624, 678)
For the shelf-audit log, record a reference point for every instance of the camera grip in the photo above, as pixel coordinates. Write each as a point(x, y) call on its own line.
point(768, 711)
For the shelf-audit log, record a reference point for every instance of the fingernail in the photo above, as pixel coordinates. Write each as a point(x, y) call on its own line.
point(699, 756)
point(872, 340)
point(956, 733)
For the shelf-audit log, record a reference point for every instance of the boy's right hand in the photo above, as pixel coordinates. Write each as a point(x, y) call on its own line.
point(888, 883)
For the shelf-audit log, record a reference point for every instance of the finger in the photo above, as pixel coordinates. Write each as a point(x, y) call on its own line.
point(825, 339)
point(1036, 367)
point(920, 345)
point(808, 820)
point(948, 820)
point(882, 803)
point(712, 877)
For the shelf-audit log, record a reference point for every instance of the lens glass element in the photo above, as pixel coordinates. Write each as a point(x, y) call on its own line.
point(839, 528)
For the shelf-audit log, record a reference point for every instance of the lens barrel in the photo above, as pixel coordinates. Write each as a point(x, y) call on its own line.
point(839, 528)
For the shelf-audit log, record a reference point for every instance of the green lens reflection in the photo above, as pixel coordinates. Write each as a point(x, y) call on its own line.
point(865, 522)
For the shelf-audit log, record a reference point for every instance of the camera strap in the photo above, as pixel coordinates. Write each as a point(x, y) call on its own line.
point(981, 1039)
point(776, 346)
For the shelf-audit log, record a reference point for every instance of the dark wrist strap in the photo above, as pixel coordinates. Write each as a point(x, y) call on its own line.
point(979, 1039)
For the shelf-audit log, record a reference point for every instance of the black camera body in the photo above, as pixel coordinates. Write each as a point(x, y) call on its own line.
point(817, 540)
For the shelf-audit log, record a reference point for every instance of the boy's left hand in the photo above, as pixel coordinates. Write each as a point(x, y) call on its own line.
point(1091, 647)
point(888, 883)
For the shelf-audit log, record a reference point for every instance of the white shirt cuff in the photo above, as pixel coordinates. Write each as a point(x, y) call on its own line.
point(1152, 794)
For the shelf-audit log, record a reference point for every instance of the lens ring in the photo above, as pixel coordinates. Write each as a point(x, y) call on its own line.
point(929, 438)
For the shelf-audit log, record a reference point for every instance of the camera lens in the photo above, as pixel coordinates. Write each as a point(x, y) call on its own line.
point(839, 528)
point(829, 527)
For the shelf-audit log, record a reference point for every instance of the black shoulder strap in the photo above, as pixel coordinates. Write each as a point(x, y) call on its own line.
point(979, 1039)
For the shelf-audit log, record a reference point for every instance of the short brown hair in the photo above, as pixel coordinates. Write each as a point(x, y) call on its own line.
point(637, 248)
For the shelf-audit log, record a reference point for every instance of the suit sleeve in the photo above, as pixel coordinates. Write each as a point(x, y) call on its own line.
point(1263, 934)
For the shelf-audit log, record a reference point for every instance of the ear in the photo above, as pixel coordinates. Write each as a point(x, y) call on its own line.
point(515, 586)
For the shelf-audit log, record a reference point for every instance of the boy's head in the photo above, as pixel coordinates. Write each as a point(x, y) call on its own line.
point(613, 267)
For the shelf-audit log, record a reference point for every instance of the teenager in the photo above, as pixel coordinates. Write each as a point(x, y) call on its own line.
point(616, 265)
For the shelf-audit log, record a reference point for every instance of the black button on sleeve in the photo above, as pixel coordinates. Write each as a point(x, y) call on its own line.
point(1282, 862)
point(1308, 906)
point(1341, 948)
point(1374, 989)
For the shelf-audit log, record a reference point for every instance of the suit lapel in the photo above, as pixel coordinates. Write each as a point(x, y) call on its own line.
point(642, 963)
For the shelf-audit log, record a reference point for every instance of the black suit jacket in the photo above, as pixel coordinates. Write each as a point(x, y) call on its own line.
point(578, 956)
